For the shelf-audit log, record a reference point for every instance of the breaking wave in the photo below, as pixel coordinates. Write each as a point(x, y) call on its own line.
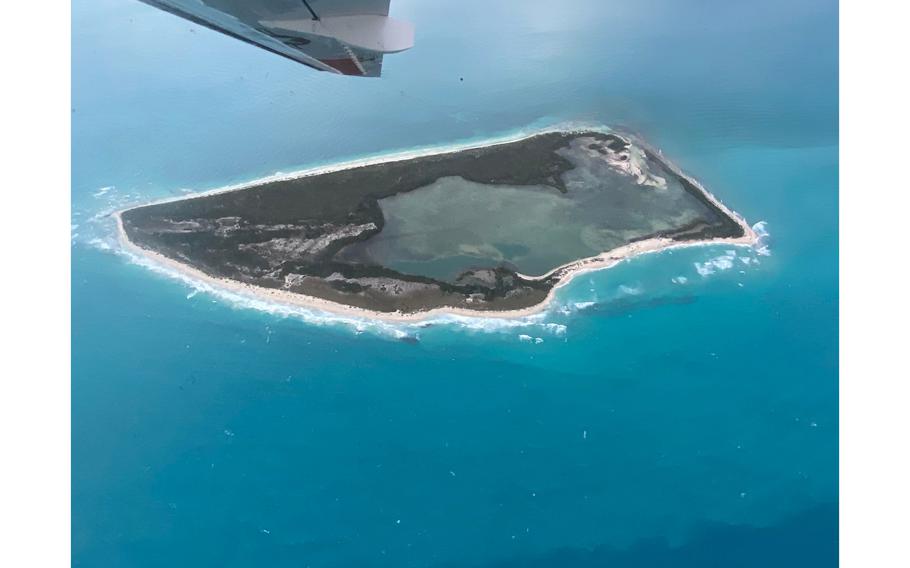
point(405, 331)
point(728, 259)
point(97, 229)
point(762, 244)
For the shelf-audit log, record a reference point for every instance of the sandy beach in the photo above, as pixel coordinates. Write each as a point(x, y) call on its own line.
point(398, 156)
point(569, 271)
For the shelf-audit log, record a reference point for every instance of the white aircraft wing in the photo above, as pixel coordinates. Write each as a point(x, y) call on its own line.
point(338, 36)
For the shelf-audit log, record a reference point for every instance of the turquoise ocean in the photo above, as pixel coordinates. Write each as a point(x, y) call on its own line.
point(679, 409)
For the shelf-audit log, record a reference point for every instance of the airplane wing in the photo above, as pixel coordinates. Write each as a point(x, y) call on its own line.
point(338, 36)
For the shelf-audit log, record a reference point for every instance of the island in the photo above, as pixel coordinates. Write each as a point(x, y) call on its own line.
point(491, 229)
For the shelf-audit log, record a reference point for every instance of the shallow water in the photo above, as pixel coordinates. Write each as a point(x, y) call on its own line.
point(454, 224)
point(681, 402)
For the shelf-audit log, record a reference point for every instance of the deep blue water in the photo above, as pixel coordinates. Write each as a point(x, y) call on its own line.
point(655, 423)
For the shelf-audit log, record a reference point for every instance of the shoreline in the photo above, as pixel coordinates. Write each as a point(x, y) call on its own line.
point(395, 156)
point(565, 273)
point(603, 261)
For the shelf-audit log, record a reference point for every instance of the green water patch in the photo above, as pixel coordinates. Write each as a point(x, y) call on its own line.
point(452, 225)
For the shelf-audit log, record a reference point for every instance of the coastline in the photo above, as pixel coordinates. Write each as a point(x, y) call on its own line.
point(565, 273)
point(395, 156)
point(603, 261)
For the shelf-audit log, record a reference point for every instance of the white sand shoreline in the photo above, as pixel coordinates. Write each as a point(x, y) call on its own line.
point(565, 273)
point(396, 156)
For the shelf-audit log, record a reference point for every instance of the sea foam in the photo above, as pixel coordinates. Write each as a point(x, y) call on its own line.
point(763, 240)
point(103, 237)
point(395, 330)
